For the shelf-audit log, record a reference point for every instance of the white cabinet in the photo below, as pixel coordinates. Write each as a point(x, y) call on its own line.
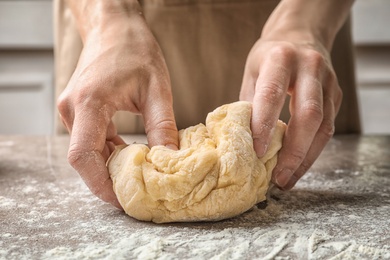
point(371, 20)
point(26, 67)
point(26, 103)
point(26, 24)
point(371, 33)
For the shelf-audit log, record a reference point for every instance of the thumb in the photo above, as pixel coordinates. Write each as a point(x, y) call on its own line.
point(160, 124)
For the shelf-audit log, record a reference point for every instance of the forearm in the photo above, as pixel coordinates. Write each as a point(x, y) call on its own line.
point(307, 20)
point(102, 16)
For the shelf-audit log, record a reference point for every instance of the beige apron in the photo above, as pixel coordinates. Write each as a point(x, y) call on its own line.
point(205, 44)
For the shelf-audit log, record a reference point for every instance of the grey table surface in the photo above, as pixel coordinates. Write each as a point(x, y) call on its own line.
point(339, 210)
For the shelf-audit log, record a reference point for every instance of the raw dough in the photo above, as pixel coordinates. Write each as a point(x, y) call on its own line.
point(214, 175)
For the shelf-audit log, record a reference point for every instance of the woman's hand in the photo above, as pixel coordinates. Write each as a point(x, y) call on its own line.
point(292, 58)
point(120, 68)
point(275, 69)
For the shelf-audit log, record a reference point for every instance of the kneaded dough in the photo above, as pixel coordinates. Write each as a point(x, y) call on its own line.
point(214, 175)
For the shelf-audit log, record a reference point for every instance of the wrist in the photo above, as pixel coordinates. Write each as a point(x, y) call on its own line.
point(288, 28)
point(313, 21)
point(104, 17)
point(297, 34)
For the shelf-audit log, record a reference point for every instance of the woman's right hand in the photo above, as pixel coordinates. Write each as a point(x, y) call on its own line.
point(120, 68)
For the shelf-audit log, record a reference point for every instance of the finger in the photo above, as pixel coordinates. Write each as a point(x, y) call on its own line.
point(248, 84)
point(160, 124)
point(65, 112)
point(85, 152)
point(112, 135)
point(160, 127)
point(112, 140)
point(306, 117)
point(322, 137)
point(269, 98)
point(64, 122)
point(332, 104)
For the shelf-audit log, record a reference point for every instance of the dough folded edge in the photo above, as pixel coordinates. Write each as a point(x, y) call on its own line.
point(214, 176)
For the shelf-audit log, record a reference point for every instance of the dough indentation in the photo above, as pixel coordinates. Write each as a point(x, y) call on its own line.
point(214, 175)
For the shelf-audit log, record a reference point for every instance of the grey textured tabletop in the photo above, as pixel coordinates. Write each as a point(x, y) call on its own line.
point(339, 210)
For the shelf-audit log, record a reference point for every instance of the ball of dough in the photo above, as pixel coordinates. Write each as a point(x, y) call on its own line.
point(214, 175)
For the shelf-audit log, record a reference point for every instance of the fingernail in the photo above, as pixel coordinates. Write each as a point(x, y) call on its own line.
point(260, 147)
point(172, 147)
point(283, 177)
point(293, 180)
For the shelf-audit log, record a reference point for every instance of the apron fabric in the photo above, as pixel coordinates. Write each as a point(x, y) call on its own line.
point(205, 45)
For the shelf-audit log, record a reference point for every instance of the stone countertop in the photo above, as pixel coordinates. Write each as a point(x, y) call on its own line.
point(339, 210)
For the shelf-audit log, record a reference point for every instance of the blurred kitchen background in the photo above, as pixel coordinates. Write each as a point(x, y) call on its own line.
point(27, 102)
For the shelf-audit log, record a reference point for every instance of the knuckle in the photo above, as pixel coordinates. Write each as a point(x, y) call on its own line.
point(90, 89)
point(166, 124)
point(315, 59)
point(85, 96)
point(63, 104)
point(76, 156)
point(317, 64)
point(327, 129)
point(285, 50)
point(313, 110)
point(270, 91)
point(68, 100)
point(297, 155)
point(160, 129)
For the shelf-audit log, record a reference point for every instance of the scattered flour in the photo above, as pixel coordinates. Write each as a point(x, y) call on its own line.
point(7, 202)
point(337, 213)
point(229, 243)
point(73, 224)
